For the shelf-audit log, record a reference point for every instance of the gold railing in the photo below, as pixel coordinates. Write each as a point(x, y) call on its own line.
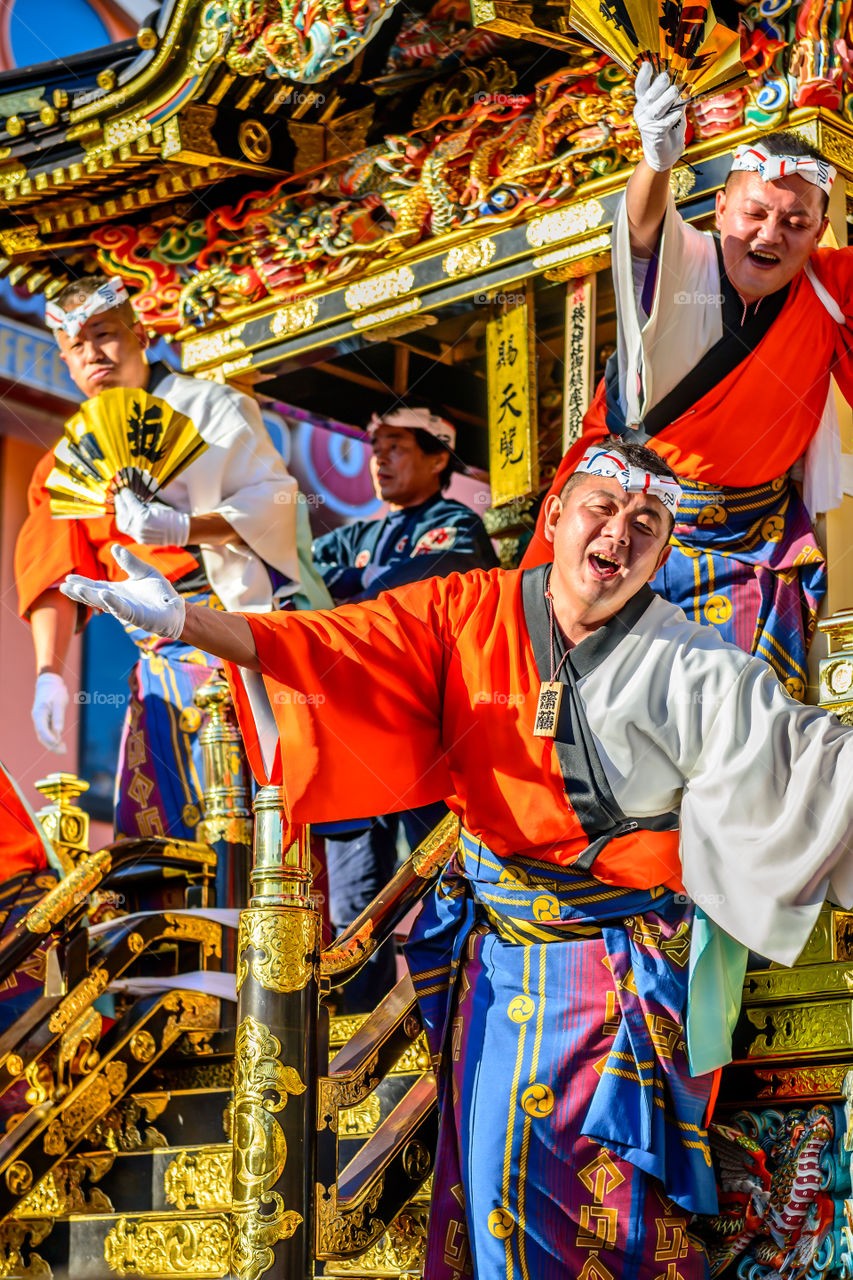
point(290, 1207)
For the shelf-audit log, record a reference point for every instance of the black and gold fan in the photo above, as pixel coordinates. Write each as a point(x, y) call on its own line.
point(121, 439)
point(696, 41)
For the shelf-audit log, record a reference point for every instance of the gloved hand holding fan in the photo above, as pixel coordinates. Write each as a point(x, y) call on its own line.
point(117, 452)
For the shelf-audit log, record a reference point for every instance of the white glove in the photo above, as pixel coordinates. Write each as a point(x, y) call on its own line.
point(48, 713)
point(659, 114)
point(144, 599)
point(152, 524)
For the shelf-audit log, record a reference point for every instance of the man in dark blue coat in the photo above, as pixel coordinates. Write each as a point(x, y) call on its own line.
point(424, 535)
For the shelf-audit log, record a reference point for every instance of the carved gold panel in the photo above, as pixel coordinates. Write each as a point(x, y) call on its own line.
point(284, 941)
point(379, 288)
point(401, 1248)
point(199, 1179)
point(350, 1232)
point(804, 1029)
point(163, 1247)
point(259, 1146)
point(802, 980)
point(564, 224)
point(194, 929)
point(93, 1098)
point(801, 1082)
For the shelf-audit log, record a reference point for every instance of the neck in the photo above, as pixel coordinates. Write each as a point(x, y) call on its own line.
point(413, 502)
point(576, 620)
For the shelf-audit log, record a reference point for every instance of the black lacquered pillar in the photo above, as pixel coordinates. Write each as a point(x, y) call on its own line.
point(275, 1060)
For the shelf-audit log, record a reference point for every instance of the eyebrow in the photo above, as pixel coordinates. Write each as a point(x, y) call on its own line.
point(799, 211)
point(645, 510)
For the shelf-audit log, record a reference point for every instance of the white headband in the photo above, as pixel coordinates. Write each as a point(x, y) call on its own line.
point(752, 157)
point(601, 462)
point(109, 295)
point(417, 420)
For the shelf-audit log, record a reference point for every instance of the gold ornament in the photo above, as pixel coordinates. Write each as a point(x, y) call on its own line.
point(78, 1000)
point(438, 847)
point(253, 1234)
point(538, 1100)
point(199, 1179)
point(163, 1247)
point(143, 1046)
point(352, 1231)
point(69, 893)
point(285, 941)
point(255, 141)
point(260, 1150)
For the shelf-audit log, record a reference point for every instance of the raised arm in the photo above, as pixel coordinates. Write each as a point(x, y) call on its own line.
point(659, 116)
point(148, 600)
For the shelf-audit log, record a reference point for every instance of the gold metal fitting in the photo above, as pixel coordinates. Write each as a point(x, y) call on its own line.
point(48, 115)
point(107, 79)
point(15, 126)
point(64, 823)
point(281, 875)
point(146, 38)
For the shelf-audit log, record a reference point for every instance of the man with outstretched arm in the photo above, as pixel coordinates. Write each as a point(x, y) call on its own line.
point(578, 1002)
point(725, 345)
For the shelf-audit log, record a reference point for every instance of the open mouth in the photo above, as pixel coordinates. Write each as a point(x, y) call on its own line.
point(603, 566)
point(763, 259)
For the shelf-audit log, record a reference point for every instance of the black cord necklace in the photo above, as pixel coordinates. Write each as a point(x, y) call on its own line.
point(551, 690)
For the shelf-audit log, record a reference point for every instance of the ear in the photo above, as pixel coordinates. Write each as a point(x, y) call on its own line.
point(824, 224)
point(439, 461)
point(662, 559)
point(553, 511)
point(719, 208)
point(140, 335)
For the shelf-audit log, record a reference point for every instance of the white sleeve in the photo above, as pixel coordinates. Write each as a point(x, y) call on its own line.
point(258, 493)
point(241, 477)
point(767, 816)
point(655, 353)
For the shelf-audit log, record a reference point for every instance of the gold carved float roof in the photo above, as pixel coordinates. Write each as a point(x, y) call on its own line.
point(267, 186)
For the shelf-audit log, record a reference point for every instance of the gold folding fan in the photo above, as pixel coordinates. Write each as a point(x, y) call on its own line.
point(684, 37)
point(121, 439)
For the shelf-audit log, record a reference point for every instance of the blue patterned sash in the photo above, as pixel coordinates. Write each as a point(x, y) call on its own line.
point(747, 562)
point(645, 1105)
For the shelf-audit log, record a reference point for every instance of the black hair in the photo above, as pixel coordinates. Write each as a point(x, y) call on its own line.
point(782, 142)
point(430, 444)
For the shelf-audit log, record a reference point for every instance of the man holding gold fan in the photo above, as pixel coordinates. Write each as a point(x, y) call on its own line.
point(712, 373)
point(226, 527)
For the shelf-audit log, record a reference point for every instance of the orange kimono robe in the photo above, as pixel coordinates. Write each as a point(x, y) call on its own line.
point(22, 846)
point(450, 715)
point(759, 420)
point(48, 549)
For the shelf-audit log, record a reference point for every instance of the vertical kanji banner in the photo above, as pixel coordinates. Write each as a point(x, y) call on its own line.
point(513, 462)
point(579, 361)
